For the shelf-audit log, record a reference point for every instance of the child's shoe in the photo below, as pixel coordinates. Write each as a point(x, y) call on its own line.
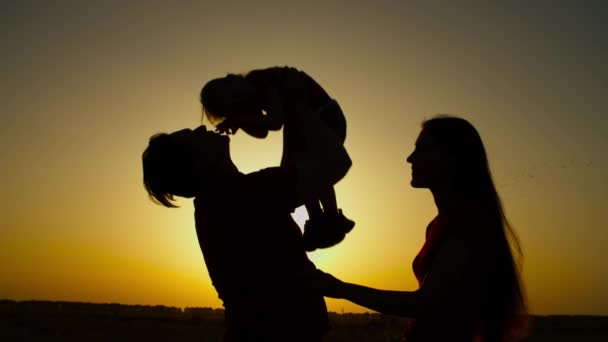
point(342, 222)
point(326, 231)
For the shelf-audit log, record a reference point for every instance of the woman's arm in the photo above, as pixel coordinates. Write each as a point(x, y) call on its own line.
point(397, 303)
point(442, 284)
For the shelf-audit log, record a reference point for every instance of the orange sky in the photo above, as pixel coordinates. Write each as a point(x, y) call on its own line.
point(85, 85)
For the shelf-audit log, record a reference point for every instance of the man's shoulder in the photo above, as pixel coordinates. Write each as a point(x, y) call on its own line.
point(218, 191)
point(269, 178)
point(271, 185)
point(273, 173)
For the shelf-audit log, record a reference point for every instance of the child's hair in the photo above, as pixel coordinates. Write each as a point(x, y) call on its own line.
point(227, 96)
point(168, 170)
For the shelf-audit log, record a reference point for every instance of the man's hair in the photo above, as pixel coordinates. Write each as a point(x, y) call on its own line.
point(168, 170)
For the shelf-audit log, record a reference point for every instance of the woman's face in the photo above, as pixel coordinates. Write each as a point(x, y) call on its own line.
point(427, 164)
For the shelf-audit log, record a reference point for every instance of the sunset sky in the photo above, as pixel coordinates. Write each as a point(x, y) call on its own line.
point(85, 84)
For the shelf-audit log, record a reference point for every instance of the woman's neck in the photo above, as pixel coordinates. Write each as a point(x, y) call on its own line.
point(447, 199)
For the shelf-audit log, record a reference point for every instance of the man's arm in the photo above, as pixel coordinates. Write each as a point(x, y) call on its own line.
point(274, 109)
point(311, 169)
point(325, 160)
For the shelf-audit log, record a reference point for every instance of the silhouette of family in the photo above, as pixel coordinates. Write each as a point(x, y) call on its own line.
point(468, 271)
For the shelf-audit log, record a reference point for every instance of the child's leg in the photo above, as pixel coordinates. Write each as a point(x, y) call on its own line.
point(331, 114)
point(313, 208)
point(328, 200)
point(336, 219)
point(293, 146)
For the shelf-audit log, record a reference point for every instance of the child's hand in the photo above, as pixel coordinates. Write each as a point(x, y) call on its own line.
point(228, 126)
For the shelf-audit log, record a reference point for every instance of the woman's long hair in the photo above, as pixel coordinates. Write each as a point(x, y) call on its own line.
point(504, 311)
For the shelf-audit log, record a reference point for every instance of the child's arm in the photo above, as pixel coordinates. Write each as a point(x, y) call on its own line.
point(257, 125)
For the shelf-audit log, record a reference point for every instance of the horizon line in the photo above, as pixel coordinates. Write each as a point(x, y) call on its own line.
point(185, 308)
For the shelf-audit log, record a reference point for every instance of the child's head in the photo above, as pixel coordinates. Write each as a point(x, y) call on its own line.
point(229, 96)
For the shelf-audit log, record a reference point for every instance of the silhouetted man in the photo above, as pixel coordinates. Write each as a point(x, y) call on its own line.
point(252, 247)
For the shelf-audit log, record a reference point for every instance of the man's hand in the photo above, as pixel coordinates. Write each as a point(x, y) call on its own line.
point(274, 109)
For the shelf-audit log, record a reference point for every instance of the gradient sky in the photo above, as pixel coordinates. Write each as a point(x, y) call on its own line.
point(85, 83)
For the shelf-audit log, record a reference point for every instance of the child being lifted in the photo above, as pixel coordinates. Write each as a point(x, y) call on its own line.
point(261, 101)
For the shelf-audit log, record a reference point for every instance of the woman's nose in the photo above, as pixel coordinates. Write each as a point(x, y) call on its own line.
point(409, 158)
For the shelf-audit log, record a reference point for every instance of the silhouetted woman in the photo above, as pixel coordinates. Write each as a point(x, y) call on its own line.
point(469, 280)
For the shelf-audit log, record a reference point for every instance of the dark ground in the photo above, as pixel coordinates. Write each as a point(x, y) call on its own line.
point(69, 321)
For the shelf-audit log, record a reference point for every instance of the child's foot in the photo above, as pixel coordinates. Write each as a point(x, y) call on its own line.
point(326, 231)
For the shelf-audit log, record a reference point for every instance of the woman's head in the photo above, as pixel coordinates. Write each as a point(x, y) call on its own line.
point(229, 96)
point(450, 155)
point(449, 152)
point(174, 164)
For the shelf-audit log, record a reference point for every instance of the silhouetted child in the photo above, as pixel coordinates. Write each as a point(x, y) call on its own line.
point(261, 100)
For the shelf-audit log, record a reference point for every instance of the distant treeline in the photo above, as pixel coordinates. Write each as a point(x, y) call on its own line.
point(108, 309)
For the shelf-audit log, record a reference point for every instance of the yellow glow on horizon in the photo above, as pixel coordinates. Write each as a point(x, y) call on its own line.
point(83, 97)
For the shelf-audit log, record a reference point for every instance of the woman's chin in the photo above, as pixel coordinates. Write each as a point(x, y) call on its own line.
point(416, 184)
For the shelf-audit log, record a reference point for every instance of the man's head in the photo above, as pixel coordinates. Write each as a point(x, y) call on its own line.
point(176, 164)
